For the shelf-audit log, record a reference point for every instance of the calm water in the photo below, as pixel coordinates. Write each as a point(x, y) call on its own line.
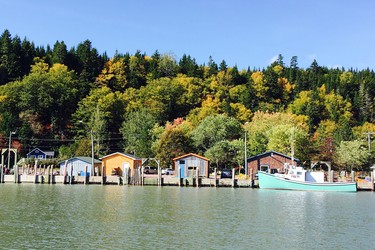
point(127, 217)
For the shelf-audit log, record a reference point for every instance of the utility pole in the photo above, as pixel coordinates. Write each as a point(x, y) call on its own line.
point(246, 170)
point(10, 143)
point(92, 153)
point(369, 140)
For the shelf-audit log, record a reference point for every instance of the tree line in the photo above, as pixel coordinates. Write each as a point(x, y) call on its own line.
point(55, 98)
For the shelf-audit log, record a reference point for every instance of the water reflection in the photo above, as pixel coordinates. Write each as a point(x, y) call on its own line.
point(108, 217)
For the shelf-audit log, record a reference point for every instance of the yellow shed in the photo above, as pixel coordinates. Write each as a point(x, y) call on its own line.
point(114, 164)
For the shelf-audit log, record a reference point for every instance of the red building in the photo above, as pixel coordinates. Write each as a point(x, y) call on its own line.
point(268, 161)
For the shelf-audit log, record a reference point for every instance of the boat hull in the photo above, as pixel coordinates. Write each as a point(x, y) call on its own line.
point(270, 181)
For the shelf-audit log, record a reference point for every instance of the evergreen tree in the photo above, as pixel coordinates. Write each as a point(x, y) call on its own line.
point(223, 66)
point(212, 67)
point(6, 63)
point(59, 53)
point(293, 69)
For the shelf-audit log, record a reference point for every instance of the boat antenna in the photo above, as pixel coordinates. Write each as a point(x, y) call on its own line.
point(292, 145)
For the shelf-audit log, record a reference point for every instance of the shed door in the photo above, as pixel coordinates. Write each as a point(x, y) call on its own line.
point(125, 168)
point(182, 166)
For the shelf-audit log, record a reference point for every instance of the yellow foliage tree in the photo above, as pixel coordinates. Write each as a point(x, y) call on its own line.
point(113, 75)
point(241, 112)
point(259, 84)
point(210, 106)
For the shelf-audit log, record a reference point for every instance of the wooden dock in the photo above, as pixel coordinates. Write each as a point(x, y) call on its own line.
point(148, 180)
point(365, 186)
point(119, 180)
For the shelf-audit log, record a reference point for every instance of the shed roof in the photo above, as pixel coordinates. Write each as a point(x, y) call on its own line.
point(268, 153)
point(133, 157)
point(50, 153)
point(190, 154)
point(82, 158)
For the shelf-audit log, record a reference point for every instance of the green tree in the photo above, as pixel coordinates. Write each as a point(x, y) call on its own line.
point(214, 129)
point(8, 58)
point(90, 62)
point(220, 154)
point(174, 141)
point(277, 131)
point(59, 53)
point(212, 67)
point(112, 106)
point(98, 126)
point(167, 66)
point(46, 112)
point(137, 133)
point(189, 67)
point(83, 148)
point(352, 154)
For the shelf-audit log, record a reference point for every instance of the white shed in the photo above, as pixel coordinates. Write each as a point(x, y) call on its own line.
point(77, 166)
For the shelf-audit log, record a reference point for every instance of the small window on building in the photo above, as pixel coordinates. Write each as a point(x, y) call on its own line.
point(182, 161)
point(264, 168)
point(40, 157)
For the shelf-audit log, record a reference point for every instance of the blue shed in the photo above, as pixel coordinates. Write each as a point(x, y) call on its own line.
point(40, 154)
point(77, 166)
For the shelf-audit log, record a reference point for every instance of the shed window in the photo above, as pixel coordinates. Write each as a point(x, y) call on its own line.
point(182, 161)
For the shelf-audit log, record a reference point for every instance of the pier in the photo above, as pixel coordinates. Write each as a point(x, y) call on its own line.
point(48, 175)
point(120, 180)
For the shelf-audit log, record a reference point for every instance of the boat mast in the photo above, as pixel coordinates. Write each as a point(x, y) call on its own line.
point(292, 145)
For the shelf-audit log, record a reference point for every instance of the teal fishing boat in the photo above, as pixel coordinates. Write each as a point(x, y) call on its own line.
point(297, 178)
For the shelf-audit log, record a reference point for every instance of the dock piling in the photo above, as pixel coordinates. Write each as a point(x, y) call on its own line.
point(233, 177)
point(215, 176)
point(2, 174)
point(85, 178)
point(102, 179)
point(197, 177)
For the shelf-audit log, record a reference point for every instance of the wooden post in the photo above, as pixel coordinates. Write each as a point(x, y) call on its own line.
point(71, 174)
point(353, 176)
point(15, 167)
point(197, 177)
point(142, 175)
point(331, 176)
point(48, 175)
point(1, 174)
point(35, 169)
point(215, 176)
point(159, 176)
point(103, 175)
point(85, 179)
point(51, 179)
point(179, 176)
point(65, 171)
point(233, 177)
point(251, 177)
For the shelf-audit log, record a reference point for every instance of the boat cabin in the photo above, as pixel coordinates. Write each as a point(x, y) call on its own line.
point(270, 162)
point(300, 174)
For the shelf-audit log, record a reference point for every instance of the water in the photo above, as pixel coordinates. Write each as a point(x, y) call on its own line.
point(131, 217)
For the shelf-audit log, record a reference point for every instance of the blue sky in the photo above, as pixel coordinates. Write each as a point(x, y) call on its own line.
point(243, 33)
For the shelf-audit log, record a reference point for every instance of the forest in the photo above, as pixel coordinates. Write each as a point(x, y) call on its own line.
point(55, 98)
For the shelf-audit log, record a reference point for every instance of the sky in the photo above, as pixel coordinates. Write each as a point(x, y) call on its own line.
point(336, 33)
